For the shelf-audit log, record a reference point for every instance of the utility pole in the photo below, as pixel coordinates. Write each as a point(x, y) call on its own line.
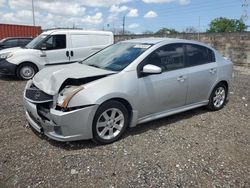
point(199, 29)
point(33, 13)
point(244, 15)
point(123, 25)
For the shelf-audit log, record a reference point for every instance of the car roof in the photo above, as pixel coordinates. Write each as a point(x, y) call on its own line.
point(155, 40)
point(75, 31)
point(7, 38)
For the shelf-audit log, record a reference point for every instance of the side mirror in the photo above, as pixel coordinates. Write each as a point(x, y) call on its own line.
point(43, 46)
point(151, 69)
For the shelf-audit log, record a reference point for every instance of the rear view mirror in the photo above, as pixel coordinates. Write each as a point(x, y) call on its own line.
point(151, 69)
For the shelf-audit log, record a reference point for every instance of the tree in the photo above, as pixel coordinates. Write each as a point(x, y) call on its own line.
point(190, 30)
point(147, 32)
point(166, 31)
point(226, 25)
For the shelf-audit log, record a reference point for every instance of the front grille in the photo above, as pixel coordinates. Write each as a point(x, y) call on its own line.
point(37, 95)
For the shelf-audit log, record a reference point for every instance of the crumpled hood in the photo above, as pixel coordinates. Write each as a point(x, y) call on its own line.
point(50, 79)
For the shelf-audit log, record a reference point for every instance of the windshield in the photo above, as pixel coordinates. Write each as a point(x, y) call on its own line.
point(117, 56)
point(36, 41)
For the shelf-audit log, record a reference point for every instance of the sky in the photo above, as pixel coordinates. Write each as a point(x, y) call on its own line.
point(140, 15)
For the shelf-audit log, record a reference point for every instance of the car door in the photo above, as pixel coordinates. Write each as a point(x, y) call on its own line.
point(54, 49)
point(165, 91)
point(202, 72)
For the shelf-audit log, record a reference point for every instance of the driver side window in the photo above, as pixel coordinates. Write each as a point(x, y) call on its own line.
point(55, 42)
point(169, 57)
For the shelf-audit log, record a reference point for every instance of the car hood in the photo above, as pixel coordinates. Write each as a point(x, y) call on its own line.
point(50, 79)
point(10, 50)
point(18, 49)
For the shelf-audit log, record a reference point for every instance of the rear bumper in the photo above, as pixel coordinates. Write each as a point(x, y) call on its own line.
point(62, 126)
point(7, 68)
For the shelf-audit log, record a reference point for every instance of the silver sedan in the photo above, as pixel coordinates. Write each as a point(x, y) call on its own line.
point(126, 84)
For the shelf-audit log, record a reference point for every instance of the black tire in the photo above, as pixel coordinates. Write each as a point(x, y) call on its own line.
point(109, 105)
point(29, 67)
point(211, 106)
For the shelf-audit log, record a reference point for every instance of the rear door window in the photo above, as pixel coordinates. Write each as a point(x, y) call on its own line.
point(11, 43)
point(23, 42)
point(198, 55)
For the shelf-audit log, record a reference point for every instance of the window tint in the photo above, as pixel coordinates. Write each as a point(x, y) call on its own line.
point(23, 42)
point(169, 57)
point(56, 42)
point(198, 55)
point(11, 43)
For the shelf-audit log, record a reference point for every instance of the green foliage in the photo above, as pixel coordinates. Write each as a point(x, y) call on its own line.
point(166, 31)
point(226, 25)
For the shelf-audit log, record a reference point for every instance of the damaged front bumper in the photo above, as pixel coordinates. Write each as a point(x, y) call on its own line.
point(59, 125)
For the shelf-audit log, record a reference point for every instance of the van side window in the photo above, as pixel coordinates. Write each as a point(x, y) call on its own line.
point(169, 57)
point(198, 55)
point(55, 42)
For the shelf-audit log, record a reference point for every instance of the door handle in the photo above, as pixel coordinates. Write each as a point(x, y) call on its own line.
point(96, 48)
point(212, 71)
point(181, 78)
point(71, 53)
point(67, 53)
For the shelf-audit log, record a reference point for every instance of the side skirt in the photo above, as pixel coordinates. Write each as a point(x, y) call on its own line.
point(162, 114)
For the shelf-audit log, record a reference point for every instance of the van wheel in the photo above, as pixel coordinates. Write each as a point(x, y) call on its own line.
point(26, 71)
point(218, 97)
point(110, 122)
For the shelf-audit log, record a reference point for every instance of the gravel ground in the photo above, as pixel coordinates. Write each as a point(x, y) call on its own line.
point(192, 149)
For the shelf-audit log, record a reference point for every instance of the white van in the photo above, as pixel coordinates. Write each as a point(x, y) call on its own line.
point(52, 48)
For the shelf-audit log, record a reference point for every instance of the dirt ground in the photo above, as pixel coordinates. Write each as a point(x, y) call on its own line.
point(197, 148)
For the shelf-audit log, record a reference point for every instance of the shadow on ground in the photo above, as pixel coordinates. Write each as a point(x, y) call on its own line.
point(139, 129)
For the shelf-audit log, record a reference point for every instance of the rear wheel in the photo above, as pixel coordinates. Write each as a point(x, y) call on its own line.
point(26, 71)
point(110, 122)
point(218, 97)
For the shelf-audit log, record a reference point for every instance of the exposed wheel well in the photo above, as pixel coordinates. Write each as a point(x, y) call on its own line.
point(225, 83)
point(126, 104)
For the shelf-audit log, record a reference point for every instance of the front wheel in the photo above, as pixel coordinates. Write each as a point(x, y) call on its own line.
point(218, 97)
point(26, 71)
point(110, 122)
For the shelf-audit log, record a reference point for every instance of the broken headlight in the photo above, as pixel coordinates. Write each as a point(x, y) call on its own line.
point(66, 95)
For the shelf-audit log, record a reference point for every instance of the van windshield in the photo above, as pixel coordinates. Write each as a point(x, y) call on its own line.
point(36, 41)
point(118, 56)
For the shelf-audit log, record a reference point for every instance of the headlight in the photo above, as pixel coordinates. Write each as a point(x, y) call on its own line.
point(66, 95)
point(6, 55)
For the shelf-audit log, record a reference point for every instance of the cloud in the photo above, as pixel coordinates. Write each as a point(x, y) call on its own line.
point(54, 7)
point(133, 13)
point(95, 19)
point(102, 3)
point(2, 3)
point(117, 9)
point(182, 2)
point(133, 26)
point(150, 14)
